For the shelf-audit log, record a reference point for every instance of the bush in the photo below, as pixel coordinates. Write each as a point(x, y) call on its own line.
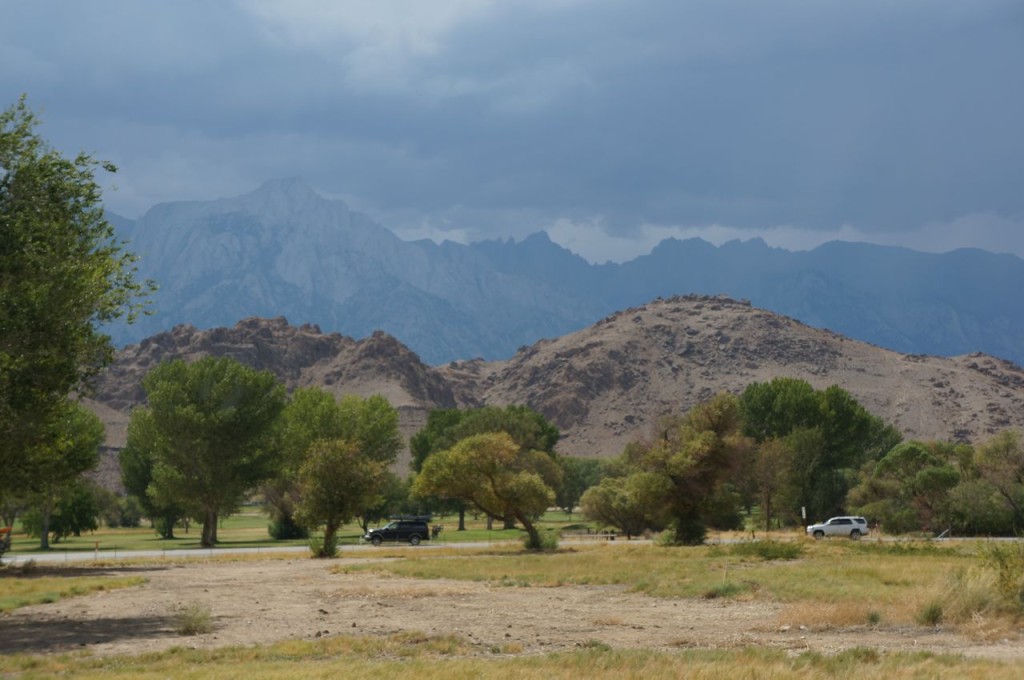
point(194, 619)
point(321, 548)
point(283, 527)
point(548, 541)
point(930, 614)
point(1006, 560)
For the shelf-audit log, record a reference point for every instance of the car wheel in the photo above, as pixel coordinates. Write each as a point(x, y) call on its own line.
point(819, 534)
point(376, 540)
point(414, 539)
point(855, 535)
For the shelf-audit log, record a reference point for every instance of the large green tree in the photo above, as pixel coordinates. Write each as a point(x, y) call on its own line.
point(313, 416)
point(1000, 463)
point(497, 476)
point(137, 460)
point(530, 430)
point(907, 490)
point(71, 446)
point(631, 504)
point(697, 455)
point(578, 475)
point(214, 423)
point(337, 481)
point(822, 437)
point(63, 274)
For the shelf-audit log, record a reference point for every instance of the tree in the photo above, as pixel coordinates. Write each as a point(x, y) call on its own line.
point(907, 490)
point(630, 504)
point(69, 447)
point(1000, 463)
point(213, 424)
point(578, 475)
point(312, 415)
point(75, 510)
point(437, 435)
point(137, 459)
point(697, 454)
point(494, 474)
point(337, 481)
point(770, 465)
point(62, 276)
point(528, 428)
point(392, 499)
point(829, 436)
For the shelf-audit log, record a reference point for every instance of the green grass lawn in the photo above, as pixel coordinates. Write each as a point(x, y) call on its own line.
point(248, 529)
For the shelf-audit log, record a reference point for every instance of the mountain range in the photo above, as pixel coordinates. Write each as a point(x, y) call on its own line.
point(606, 384)
point(285, 250)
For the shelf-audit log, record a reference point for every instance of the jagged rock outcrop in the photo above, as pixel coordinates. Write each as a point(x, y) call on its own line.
point(608, 383)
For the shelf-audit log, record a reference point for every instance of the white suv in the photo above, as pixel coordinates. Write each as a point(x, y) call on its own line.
point(854, 527)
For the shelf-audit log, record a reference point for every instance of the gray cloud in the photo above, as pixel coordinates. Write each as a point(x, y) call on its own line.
point(483, 119)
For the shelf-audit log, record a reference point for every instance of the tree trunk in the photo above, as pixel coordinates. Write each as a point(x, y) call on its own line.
point(44, 534)
point(209, 537)
point(328, 548)
point(510, 522)
point(462, 519)
point(531, 531)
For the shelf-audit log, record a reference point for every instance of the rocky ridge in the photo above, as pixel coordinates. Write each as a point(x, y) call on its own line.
point(605, 385)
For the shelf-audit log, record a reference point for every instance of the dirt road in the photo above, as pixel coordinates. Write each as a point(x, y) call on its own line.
point(262, 601)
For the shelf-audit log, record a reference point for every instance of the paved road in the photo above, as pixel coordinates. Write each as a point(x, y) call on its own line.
point(57, 556)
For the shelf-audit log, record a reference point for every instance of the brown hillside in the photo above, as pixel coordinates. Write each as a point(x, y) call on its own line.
point(606, 384)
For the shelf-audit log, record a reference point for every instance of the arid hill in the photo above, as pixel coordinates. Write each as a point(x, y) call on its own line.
point(606, 384)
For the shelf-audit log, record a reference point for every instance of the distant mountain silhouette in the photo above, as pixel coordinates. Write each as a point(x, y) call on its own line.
point(285, 250)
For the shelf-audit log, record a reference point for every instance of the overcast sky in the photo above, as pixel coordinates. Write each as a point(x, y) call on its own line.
point(609, 124)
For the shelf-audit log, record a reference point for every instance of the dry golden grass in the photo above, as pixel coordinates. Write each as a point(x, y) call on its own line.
point(43, 586)
point(429, 658)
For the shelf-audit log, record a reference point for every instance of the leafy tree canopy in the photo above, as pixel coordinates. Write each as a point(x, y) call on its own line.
point(213, 422)
point(497, 476)
point(696, 455)
point(62, 275)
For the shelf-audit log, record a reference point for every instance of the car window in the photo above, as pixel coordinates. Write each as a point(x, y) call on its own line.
point(844, 521)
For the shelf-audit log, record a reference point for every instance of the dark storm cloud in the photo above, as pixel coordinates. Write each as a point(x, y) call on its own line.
point(500, 118)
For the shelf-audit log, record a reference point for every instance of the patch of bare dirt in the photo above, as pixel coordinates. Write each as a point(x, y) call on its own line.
point(264, 601)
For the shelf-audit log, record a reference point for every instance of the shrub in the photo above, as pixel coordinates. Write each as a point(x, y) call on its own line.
point(324, 547)
point(930, 614)
point(548, 541)
point(283, 527)
point(727, 589)
point(194, 619)
point(1006, 560)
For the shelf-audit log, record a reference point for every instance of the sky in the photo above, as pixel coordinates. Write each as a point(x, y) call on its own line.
point(609, 124)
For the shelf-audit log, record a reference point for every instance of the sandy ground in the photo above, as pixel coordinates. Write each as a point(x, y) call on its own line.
point(262, 601)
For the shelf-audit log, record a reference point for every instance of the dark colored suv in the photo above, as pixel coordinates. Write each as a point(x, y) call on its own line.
point(411, 530)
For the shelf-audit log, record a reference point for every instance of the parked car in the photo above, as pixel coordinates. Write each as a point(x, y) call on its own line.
point(854, 527)
point(411, 530)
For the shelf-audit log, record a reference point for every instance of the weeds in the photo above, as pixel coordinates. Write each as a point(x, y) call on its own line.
point(1006, 560)
point(727, 589)
point(930, 614)
point(194, 619)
